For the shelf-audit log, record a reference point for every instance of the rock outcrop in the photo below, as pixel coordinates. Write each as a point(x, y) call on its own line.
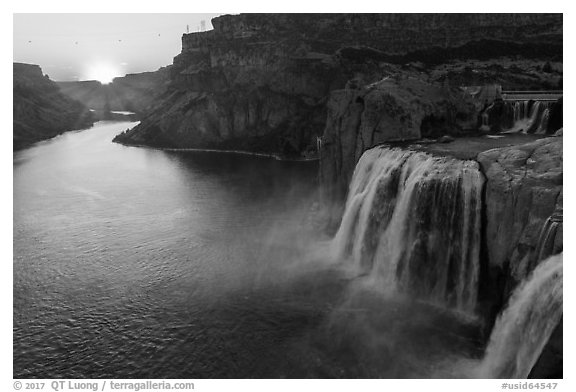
point(261, 81)
point(396, 108)
point(523, 190)
point(40, 109)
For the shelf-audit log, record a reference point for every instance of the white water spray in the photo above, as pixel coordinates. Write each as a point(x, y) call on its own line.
point(412, 224)
point(525, 326)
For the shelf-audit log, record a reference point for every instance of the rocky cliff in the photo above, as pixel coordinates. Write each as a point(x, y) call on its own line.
point(523, 191)
point(523, 225)
point(40, 109)
point(261, 81)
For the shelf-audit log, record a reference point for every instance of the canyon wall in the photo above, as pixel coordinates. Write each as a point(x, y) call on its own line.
point(261, 82)
point(40, 109)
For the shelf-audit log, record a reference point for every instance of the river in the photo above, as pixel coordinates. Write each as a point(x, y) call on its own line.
point(140, 263)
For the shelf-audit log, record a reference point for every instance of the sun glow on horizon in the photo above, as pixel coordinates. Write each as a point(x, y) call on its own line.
point(102, 72)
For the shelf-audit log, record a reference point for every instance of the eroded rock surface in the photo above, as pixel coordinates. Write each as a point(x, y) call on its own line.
point(523, 189)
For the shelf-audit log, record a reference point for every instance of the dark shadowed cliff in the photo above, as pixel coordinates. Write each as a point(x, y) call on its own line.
point(261, 82)
point(41, 111)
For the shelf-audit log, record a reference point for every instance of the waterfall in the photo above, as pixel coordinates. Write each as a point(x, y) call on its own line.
point(523, 329)
point(546, 246)
point(520, 110)
point(530, 116)
point(548, 236)
point(412, 224)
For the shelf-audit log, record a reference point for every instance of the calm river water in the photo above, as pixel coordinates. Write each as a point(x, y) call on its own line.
point(140, 263)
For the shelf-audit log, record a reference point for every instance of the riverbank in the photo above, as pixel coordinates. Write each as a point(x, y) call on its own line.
point(276, 157)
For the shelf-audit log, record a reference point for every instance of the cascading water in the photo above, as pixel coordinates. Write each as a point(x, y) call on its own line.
point(412, 223)
point(530, 116)
point(548, 236)
point(524, 328)
point(521, 110)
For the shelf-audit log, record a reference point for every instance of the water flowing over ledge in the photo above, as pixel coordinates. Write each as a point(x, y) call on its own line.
point(531, 118)
point(524, 328)
point(412, 222)
point(527, 116)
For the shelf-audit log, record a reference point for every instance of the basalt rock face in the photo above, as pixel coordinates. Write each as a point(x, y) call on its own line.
point(132, 93)
point(264, 95)
point(523, 198)
point(261, 81)
point(40, 110)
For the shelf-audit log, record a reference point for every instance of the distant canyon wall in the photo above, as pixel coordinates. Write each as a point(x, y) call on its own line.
point(131, 93)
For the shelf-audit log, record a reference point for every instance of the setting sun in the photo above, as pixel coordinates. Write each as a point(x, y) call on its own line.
point(104, 73)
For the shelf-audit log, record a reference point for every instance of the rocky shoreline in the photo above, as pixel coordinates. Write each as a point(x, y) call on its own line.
point(238, 152)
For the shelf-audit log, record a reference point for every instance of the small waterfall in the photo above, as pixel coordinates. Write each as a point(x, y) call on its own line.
point(520, 110)
point(546, 246)
point(525, 326)
point(412, 223)
point(543, 123)
point(530, 116)
point(547, 238)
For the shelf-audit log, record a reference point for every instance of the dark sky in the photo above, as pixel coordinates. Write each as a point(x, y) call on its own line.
point(101, 46)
